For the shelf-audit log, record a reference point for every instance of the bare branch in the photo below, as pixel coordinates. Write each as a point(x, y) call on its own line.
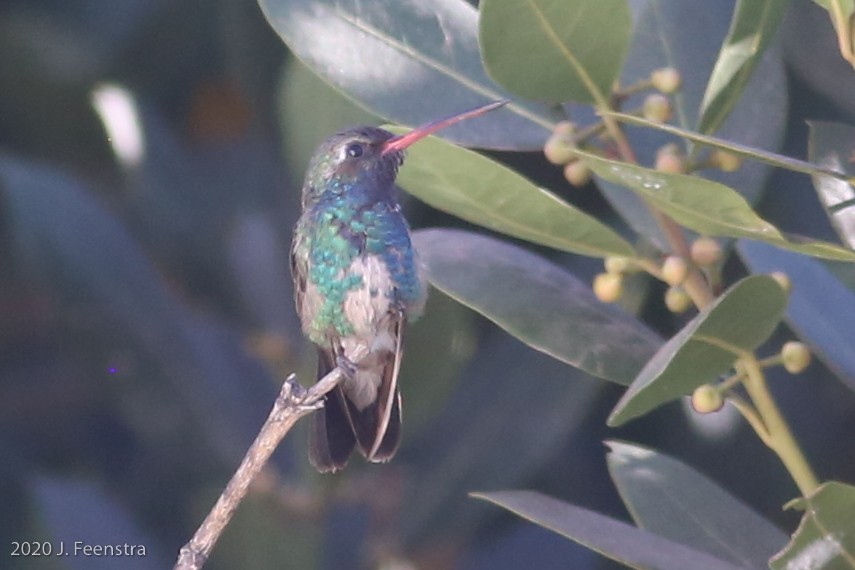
point(293, 403)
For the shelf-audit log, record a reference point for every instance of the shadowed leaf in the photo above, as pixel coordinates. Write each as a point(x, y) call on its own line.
point(611, 538)
point(673, 500)
point(832, 146)
point(539, 303)
point(409, 62)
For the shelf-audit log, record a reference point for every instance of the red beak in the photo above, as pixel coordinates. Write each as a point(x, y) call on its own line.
point(403, 141)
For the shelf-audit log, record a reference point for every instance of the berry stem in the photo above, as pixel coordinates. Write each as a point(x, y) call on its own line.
point(780, 438)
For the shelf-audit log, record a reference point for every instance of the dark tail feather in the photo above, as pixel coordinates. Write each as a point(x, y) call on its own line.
point(378, 426)
point(389, 445)
point(331, 437)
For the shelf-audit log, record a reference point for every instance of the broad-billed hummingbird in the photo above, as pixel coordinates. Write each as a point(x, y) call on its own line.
point(357, 284)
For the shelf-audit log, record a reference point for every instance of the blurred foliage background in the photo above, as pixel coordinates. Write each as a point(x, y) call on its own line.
point(151, 155)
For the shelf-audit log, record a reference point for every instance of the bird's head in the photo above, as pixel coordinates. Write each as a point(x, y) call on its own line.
point(365, 160)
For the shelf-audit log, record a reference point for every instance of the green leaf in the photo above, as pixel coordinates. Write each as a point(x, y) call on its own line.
point(841, 12)
point(752, 28)
point(832, 146)
point(706, 207)
point(556, 51)
point(740, 320)
point(479, 190)
point(825, 539)
point(538, 302)
point(753, 153)
point(409, 62)
point(846, 7)
point(824, 321)
point(611, 538)
point(687, 35)
point(673, 500)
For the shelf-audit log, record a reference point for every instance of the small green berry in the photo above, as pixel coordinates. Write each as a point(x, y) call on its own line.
point(706, 399)
point(560, 146)
point(725, 161)
point(677, 300)
point(666, 79)
point(783, 280)
point(656, 108)
point(608, 287)
point(705, 251)
point(559, 151)
point(795, 356)
point(617, 264)
point(671, 159)
point(577, 173)
point(674, 270)
point(565, 129)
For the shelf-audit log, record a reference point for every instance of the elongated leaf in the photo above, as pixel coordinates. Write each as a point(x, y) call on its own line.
point(832, 146)
point(481, 191)
point(753, 153)
point(706, 207)
point(740, 320)
point(557, 51)
point(821, 309)
point(409, 62)
point(611, 538)
point(841, 12)
point(537, 302)
point(825, 539)
point(673, 500)
point(752, 28)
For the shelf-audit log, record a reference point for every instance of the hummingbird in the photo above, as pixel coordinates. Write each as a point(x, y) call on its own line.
point(358, 283)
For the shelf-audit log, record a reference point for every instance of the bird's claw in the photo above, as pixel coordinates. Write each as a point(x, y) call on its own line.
point(347, 367)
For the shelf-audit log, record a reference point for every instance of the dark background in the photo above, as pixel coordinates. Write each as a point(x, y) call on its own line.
point(146, 319)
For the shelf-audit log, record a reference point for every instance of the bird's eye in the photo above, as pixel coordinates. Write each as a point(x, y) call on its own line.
point(354, 150)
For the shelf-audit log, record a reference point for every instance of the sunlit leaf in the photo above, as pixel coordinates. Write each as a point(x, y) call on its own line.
point(556, 51)
point(537, 302)
point(753, 26)
point(686, 35)
point(673, 500)
point(706, 207)
point(832, 146)
point(479, 190)
point(739, 320)
point(611, 538)
point(825, 539)
point(770, 158)
point(408, 62)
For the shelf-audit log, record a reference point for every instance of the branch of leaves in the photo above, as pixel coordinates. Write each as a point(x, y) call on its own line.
point(685, 520)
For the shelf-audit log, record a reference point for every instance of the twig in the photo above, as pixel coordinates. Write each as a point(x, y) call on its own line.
point(293, 403)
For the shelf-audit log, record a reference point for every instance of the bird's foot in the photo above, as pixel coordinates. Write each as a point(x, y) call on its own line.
point(347, 366)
